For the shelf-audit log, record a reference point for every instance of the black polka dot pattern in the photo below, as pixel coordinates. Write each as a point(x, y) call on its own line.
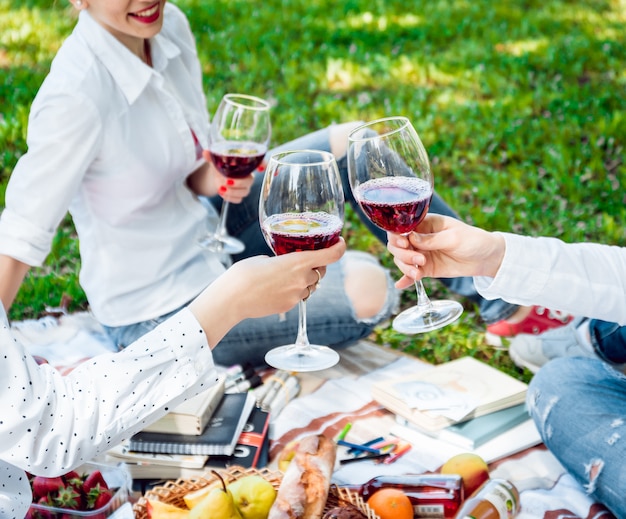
point(52, 423)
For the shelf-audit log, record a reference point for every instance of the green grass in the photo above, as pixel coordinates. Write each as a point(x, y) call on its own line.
point(520, 105)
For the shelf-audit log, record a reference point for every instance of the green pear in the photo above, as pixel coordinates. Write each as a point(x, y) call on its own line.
point(217, 504)
point(253, 495)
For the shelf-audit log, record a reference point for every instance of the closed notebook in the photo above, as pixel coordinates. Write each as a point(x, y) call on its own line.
point(249, 452)
point(193, 415)
point(465, 385)
point(473, 433)
point(218, 438)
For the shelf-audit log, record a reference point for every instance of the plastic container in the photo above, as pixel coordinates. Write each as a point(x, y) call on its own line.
point(116, 477)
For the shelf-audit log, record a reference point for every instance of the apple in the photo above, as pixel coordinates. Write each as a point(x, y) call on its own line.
point(287, 454)
point(471, 467)
point(253, 495)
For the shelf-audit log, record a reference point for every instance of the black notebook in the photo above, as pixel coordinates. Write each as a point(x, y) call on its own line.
point(251, 450)
point(218, 438)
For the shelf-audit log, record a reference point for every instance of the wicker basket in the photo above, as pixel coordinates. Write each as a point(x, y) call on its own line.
point(172, 492)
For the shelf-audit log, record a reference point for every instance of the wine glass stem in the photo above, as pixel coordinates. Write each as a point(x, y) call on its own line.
point(302, 340)
point(221, 226)
point(423, 301)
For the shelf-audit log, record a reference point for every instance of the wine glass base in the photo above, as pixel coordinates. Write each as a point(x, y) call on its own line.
point(293, 357)
point(426, 319)
point(226, 244)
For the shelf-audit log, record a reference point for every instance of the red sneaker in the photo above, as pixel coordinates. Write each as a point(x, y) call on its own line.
point(537, 321)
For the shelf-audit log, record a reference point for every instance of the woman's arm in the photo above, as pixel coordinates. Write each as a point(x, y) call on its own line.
point(51, 423)
point(581, 278)
point(12, 273)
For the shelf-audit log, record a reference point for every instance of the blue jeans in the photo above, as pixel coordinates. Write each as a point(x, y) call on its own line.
point(608, 341)
point(579, 407)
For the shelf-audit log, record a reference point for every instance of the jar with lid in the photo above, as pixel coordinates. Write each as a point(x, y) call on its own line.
point(495, 499)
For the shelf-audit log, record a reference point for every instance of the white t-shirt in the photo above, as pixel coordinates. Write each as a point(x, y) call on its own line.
point(50, 423)
point(110, 139)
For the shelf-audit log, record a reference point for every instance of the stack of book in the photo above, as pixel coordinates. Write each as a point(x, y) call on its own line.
point(215, 429)
point(464, 403)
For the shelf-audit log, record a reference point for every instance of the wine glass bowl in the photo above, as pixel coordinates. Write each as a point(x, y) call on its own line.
point(391, 179)
point(238, 140)
point(301, 208)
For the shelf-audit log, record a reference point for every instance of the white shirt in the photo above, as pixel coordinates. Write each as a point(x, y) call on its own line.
point(50, 423)
point(585, 279)
point(109, 138)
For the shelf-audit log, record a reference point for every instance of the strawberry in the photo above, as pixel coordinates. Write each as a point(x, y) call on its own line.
point(94, 480)
point(67, 497)
point(102, 498)
point(42, 486)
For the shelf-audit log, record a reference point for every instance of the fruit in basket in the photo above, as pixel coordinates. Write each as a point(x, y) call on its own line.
point(253, 496)
point(217, 504)
point(391, 503)
point(471, 467)
point(192, 498)
point(156, 509)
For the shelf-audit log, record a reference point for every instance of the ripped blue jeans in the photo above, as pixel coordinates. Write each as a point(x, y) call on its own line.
point(579, 407)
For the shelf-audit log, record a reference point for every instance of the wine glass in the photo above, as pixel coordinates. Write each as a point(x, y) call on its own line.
point(391, 179)
point(301, 208)
point(238, 140)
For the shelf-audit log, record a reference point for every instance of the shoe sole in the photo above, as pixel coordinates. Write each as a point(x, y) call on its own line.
point(523, 363)
point(496, 341)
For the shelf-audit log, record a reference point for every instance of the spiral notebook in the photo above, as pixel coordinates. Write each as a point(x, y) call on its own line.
point(218, 438)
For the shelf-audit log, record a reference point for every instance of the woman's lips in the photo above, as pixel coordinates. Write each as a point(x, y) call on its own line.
point(149, 15)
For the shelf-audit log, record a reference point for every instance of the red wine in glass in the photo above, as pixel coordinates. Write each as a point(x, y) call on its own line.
point(396, 204)
point(235, 159)
point(392, 181)
point(238, 138)
point(293, 232)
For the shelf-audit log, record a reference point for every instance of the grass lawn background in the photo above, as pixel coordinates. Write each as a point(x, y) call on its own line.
point(520, 104)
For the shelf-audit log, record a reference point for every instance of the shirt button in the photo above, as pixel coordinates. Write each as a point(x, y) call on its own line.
point(199, 367)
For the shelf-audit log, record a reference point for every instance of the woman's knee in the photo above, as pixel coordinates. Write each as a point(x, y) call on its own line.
point(366, 284)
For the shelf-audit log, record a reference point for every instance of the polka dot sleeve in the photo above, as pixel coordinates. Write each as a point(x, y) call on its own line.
point(51, 423)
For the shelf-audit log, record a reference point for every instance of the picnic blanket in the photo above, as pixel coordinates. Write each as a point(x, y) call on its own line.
point(331, 398)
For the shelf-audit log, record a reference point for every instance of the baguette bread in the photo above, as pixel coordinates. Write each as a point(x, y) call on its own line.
point(303, 491)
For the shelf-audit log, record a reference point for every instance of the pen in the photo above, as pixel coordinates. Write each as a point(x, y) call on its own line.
point(400, 451)
point(381, 456)
point(342, 434)
point(284, 395)
point(243, 385)
point(276, 381)
point(358, 447)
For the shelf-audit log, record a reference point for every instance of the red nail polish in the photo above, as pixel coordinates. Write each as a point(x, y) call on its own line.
point(223, 189)
point(230, 182)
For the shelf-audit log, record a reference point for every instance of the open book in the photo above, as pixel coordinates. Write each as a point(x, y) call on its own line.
point(449, 393)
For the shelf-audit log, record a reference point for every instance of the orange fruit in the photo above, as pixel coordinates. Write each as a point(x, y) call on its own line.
point(391, 503)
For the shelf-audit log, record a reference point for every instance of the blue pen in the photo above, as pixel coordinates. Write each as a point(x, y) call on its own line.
point(357, 447)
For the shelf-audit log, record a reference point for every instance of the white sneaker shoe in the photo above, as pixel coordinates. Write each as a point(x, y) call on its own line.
point(533, 351)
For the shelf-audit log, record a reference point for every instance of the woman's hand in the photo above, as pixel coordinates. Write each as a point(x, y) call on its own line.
point(261, 286)
point(443, 247)
point(208, 181)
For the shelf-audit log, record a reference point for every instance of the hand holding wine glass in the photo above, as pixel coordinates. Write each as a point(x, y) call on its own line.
point(239, 136)
point(301, 208)
point(391, 179)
